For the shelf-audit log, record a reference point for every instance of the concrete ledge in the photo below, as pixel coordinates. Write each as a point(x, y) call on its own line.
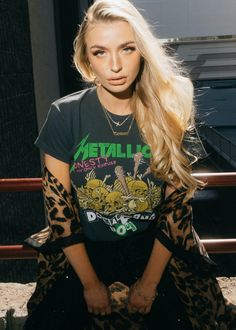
point(14, 297)
point(13, 311)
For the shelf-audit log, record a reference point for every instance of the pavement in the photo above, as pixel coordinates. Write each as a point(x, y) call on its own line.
point(14, 297)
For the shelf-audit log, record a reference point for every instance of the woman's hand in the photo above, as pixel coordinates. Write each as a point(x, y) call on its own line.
point(141, 297)
point(97, 297)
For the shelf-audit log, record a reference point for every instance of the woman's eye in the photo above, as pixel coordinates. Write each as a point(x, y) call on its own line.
point(129, 49)
point(99, 53)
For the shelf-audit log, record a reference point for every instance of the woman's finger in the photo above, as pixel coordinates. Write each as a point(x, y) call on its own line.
point(103, 313)
point(96, 312)
point(142, 310)
point(131, 308)
point(108, 310)
point(147, 309)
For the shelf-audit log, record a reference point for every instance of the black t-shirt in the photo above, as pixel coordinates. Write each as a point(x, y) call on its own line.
point(116, 193)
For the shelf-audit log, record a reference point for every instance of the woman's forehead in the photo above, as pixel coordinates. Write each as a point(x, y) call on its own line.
point(109, 32)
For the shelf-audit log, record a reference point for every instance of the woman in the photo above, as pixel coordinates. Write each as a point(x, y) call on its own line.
point(118, 188)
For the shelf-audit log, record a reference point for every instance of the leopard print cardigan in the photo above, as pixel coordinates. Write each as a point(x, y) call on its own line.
point(190, 267)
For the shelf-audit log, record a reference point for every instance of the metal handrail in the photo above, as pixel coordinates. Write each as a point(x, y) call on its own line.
point(17, 252)
point(214, 246)
point(213, 179)
point(227, 245)
point(216, 179)
point(35, 184)
point(21, 184)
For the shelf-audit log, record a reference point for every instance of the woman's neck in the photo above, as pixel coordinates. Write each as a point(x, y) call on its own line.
point(119, 104)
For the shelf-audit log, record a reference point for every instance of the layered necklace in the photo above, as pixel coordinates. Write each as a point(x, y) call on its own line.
point(111, 122)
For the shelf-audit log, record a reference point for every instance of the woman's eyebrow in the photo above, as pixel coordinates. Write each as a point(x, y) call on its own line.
point(126, 43)
point(120, 46)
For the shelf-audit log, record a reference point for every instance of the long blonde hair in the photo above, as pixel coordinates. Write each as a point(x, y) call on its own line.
point(162, 97)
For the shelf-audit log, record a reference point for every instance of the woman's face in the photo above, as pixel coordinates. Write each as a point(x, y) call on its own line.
point(113, 55)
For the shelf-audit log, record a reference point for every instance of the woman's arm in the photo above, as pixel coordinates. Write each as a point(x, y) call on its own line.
point(144, 290)
point(156, 265)
point(96, 294)
point(81, 265)
point(158, 260)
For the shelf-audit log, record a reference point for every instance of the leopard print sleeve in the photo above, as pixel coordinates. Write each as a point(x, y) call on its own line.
point(174, 224)
point(62, 215)
point(175, 229)
point(190, 267)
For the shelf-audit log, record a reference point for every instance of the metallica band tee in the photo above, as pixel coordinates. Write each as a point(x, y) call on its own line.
point(114, 188)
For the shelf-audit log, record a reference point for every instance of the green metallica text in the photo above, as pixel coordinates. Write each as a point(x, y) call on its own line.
point(114, 150)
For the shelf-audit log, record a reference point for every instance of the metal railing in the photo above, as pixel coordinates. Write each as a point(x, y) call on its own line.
point(35, 184)
point(223, 145)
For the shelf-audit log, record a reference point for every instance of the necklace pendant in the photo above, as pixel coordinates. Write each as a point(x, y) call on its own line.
point(120, 133)
point(118, 124)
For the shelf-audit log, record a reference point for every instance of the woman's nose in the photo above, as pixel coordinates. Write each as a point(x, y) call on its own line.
point(116, 64)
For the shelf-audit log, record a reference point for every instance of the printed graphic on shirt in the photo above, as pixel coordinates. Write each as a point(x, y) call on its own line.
point(118, 196)
point(96, 155)
point(118, 223)
point(116, 205)
point(129, 194)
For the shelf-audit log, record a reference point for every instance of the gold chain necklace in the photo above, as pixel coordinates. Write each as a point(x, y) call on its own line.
point(115, 132)
point(117, 123)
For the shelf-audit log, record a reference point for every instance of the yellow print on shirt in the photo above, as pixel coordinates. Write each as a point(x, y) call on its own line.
point(129, 194)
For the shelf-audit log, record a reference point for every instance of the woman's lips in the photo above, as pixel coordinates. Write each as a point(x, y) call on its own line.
point(117, 81)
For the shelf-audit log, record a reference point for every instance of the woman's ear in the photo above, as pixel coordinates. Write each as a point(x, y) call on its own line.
point(90, 67)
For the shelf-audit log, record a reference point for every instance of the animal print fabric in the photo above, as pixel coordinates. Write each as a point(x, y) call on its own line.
point(64, 230)
point(190, 267)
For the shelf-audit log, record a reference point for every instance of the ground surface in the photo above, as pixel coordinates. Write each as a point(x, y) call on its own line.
point(14, 297)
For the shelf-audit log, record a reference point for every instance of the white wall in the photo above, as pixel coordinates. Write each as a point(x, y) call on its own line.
point(189, 18)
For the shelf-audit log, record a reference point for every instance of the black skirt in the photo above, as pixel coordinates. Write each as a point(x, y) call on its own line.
point(64, 306)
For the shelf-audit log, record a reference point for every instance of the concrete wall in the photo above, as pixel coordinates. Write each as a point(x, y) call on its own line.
point(185, 18)
point(213, 59)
